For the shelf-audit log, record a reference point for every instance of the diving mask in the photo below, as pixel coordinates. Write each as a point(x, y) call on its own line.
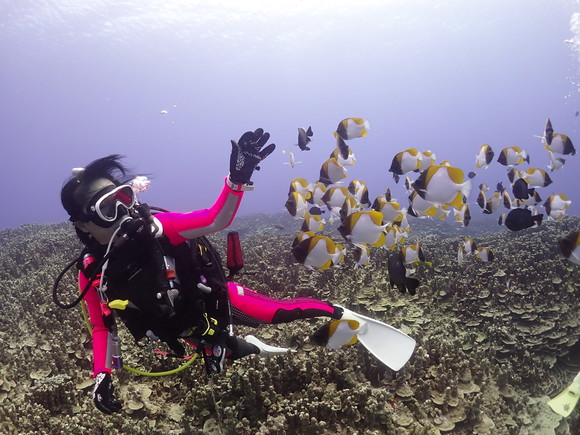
point(107, 206)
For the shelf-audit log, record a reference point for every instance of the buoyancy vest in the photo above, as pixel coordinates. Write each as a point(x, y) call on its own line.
point(137, 273)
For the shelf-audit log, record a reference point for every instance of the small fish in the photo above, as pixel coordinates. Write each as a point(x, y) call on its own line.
point(393, 236)
point(352, 128)
point(462, 215)
point(532, 200)
point(413, 254)
point(570, 247)
point(484, 157)
point(537, 177)
point(481, 199)
point(299, 185)
point(335, 197)
point(501, 219)
point(468, 246)
point(332, 172)
point(317, 252)
point(398, 275)
point(419, 207)
point(508, 201)
point(361, 255)
point(304, 138)
point(296, 205)
point(343, 154)
point(292, 160)
point(360, 191)
point(556, 206)
point(364, 227)
point(302, 236)
point(471, 175)
point(317, 192)
point(443, 184)
point(460, 254)
point(313, 223)
point(493, 203)
point(555, 162)
point(483, 187)
point(315, 210)
point(404, 162)
point(427, 159)
point(391, 210)
point(484, 254)
point(521, 189)
point(514, 175)
point(521, 218)
point(557, 142)
point(512, 156)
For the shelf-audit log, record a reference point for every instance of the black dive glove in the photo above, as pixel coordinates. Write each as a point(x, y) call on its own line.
point(103, 394)
point(247, 153)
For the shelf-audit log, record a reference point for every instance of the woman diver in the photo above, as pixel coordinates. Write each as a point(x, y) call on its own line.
point(155, 272)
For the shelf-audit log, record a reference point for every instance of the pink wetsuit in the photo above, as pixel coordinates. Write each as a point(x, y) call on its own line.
point(179, 227)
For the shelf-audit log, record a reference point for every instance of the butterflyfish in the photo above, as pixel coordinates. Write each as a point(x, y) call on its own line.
point(404, 162)
point(361, 255)
point(484, 254)
point(570, 247)
point(332, 172)
point(484, 157)
point(313, 223)
point(443, 184)
point(556, 205)
point(317, 252)
point(512, 156)
point(537, 177)
point(352, 128)
point(557, 142)
point(462, 215)
point(296, 205)
point(364, 227)
point(360, 191)
point(555, 162)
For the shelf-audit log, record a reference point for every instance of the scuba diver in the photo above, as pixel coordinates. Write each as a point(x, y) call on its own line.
point(156, 271)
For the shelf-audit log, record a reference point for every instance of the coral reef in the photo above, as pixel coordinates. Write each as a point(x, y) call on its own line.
point(494, 341)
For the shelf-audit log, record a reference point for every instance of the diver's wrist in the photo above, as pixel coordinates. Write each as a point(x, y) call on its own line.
point(239, 187)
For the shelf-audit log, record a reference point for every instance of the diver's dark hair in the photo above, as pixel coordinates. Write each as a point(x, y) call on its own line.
point(109, 167)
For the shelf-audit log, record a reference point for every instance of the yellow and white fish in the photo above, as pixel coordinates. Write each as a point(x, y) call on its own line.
point(302, 236)
point(420, 207)
point(556, 206)
point(313, 223)
point(404, 162)
point(485, 156)
point(318, 252)
point(484, 254)
point(570, 247)
point(317, 191)
point(493, 203)
point(360, 192)
point(343, 154)
point(335, 197)
point(557, 142)
point(556, 163)
point(391, 210)
point(536, 177)
point(394, 235)
point(512, 156)
point(300, 185)
point(361, 255)
point(468, 246)
point(427, 159)
point(332, 172)
point(443, 184)
point(296, 205)
point(462, 215)
point(364, 227)
point(352, 128)
point(413, 255)
point(565, 402)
